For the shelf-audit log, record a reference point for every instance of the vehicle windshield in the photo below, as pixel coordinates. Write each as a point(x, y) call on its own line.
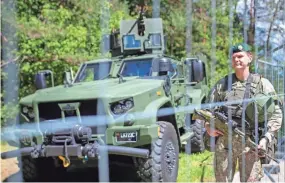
point(136, 68)
point(94, 71)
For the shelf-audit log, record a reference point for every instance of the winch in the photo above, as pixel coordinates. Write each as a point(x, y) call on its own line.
point(76, 134)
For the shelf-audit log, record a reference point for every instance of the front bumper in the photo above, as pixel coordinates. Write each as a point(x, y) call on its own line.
point(145, 135)
point(93, 150)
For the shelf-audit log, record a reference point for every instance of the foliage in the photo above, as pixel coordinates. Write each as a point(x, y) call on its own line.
point(56, 35)
point(9, 111)
point(196, 168)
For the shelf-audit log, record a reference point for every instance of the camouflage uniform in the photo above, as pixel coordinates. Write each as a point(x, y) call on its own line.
point(225, 166)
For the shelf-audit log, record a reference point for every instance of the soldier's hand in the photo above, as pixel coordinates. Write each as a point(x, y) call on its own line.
point(202, 115)
point(262, 146)
point(213, 132)
point(196, 116)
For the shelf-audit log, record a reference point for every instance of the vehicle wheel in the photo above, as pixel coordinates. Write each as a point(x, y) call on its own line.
point(163, 164)
point(197, 141)
point(35, 169)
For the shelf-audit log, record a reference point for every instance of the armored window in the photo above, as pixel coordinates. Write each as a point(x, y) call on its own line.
point(92, 72)
point(137, 67)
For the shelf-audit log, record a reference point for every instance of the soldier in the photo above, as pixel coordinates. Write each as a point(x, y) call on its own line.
point(233, 96)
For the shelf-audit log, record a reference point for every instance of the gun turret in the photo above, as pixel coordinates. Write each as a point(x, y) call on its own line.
point(144, 35)
point(140, 36)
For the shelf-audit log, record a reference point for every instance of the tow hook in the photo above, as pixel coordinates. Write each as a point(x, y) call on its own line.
point(65, 161)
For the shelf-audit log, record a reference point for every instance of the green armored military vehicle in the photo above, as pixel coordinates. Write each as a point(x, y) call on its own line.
point(139, 108)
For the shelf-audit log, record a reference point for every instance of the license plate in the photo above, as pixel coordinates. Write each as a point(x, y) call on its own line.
point(126, 136)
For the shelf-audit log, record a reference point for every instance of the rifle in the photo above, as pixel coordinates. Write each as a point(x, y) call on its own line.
point(221, 123)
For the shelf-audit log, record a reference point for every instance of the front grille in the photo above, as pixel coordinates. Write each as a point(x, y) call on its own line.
point(51, 110)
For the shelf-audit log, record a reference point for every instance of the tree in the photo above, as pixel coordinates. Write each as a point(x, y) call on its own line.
point(267, 27)
point(55, 35)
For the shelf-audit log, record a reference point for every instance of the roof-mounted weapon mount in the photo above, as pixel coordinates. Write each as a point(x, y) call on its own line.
point(144, 35)
point(140, 36)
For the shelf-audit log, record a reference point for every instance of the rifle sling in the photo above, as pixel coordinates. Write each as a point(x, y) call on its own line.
point(247, 89)
point(246, 96)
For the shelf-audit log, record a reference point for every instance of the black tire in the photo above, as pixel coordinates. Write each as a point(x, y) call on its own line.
point(40, 169)
point(156, 168)
point(197, 141)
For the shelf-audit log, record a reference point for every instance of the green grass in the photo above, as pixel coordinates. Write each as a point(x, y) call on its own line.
point(6, 147)
point(196, 167)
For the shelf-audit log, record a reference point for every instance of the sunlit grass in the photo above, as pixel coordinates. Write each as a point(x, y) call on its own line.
point(6, 147)
point(196, 167)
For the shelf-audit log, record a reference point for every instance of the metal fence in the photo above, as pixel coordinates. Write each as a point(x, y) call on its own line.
point(274, 72)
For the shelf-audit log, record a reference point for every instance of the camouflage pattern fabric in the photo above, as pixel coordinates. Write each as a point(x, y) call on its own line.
point(225, 167)
point(275, 122)
point(252, 166)
point(219, 93)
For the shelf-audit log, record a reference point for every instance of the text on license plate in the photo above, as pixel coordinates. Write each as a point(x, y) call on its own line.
point(126, 136)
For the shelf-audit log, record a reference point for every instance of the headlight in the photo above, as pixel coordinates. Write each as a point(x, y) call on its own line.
point(25, 109)
point(122, 106)
point(31, 114)
point(28, 112)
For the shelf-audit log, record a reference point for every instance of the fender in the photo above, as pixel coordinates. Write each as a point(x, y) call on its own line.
point(196, 100)
point(203, 99)
point(151, 110)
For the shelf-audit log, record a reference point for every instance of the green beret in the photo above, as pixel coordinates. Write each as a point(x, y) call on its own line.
point(241, 47)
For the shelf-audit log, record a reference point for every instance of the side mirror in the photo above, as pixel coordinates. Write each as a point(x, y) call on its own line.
point(40, 79)
point(196, 70)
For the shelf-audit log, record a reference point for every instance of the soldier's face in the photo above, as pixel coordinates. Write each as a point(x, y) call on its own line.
point(241, 60)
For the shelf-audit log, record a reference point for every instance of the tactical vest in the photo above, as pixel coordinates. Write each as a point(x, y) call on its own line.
point(235, 96)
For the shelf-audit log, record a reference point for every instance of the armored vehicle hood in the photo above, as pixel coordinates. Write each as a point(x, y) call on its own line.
point(110, 88)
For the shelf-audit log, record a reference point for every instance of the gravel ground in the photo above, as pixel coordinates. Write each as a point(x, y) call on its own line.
point(9, 167)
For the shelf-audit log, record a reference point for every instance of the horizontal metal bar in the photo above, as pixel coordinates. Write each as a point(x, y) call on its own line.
point(77, 150)
point(268, 63)
point(17, 153)
point(126, 151)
